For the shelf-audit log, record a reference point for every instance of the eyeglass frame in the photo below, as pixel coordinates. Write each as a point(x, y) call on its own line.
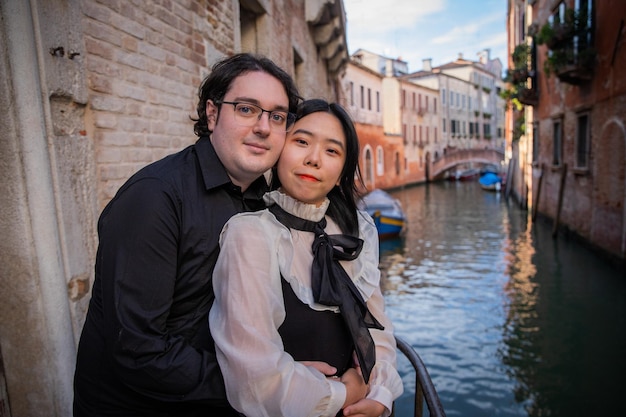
point(290, 118)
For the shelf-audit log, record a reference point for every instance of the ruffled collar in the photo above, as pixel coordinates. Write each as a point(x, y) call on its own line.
point(296, 207)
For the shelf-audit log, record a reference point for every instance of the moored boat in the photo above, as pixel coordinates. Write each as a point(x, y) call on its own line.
point(490, 181)
point(386, 212)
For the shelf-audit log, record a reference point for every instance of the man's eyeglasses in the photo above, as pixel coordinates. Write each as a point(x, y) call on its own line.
point(247, 114)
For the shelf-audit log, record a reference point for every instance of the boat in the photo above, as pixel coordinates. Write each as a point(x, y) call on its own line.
point(468, 174)
point(490, 181)
point(386, 212)
point(464, 175)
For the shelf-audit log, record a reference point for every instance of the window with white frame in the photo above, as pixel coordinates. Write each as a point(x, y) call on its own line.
point(443, 97)
point(380, 161)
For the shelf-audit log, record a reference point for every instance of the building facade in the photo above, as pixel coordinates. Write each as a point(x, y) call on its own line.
point(93, 91)
point(571, 91)
point(471, 112)
point(408, 122)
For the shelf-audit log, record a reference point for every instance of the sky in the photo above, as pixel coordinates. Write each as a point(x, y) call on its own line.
point(414, 30)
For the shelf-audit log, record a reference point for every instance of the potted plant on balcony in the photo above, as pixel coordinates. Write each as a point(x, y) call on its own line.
point(556, 33)
point(572, 61)
point(518, 91)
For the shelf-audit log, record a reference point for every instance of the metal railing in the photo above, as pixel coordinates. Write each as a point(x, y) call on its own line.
point(424, 388)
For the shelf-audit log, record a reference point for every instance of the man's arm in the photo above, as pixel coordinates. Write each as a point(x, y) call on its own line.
point(138, 262)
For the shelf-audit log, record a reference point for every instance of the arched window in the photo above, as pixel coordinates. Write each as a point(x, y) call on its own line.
point(369, 170)
point(380, 161)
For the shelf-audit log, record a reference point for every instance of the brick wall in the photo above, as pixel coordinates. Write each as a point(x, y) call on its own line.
point(144, 63)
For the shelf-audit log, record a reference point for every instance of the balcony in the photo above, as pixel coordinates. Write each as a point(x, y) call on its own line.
point(577, 68)
point(520, 78)
point(528, 96)
point(519, 75)
point(570, 56)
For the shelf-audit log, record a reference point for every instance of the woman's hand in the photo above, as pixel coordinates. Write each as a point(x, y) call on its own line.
point(323, 367)
point(364, 408)
point(356, 388)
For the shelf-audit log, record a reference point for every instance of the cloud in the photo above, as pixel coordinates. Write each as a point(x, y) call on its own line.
point(372, 16)
point(414, 30)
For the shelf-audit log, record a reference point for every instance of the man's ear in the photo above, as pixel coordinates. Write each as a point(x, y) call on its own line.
point(211, 114)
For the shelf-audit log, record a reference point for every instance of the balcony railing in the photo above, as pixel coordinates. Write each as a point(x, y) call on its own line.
point(528, 96)
point(570, 56)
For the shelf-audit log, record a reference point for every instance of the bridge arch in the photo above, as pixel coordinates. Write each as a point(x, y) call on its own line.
point(455, 157)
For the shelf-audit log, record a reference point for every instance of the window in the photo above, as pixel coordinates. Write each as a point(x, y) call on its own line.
point(368, 166)
point(378, 101)
point(582, 141)
point(444, 125)
point(435, 135)
point(351, 93)
point(414, 135)
point(435, 104)
point(427, 103)
point(557, 142)
point(362, 97)
point(451, 98)
point(443, 96)
point(406, 140)
point(397, 158)
point(369, 99)
point(403, 99)
point(380, 161)
point(471, 127)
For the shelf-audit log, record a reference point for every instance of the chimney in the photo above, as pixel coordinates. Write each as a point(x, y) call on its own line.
point(484, 56)
point(427, 64)
point(389, 68)
point(460, 56)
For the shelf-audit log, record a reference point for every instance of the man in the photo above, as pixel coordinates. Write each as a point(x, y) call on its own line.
point(145, 349)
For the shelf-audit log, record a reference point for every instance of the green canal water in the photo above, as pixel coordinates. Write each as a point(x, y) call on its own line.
point(508, 320)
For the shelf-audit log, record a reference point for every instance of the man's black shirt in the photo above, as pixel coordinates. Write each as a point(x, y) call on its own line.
point(145, 348)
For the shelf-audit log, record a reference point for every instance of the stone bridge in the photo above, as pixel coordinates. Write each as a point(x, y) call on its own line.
point(456, 157)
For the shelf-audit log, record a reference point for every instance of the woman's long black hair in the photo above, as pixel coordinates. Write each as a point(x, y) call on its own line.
point(343, 198)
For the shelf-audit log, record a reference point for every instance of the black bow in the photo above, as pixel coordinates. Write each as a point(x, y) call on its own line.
point(333, 287)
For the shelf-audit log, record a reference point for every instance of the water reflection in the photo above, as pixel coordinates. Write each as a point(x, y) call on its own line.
point(509, 321)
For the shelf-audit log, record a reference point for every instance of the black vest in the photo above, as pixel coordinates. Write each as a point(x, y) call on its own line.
point(310, 335)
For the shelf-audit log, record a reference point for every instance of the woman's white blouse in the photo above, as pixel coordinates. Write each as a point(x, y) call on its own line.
point(261, 378)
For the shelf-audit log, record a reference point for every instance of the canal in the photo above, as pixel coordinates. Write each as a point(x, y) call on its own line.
point(508, 320)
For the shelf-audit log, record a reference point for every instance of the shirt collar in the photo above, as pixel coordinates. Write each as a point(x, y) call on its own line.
point(214, 174)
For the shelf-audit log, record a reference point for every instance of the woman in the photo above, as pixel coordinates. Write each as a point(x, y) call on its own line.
point(280, 298)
